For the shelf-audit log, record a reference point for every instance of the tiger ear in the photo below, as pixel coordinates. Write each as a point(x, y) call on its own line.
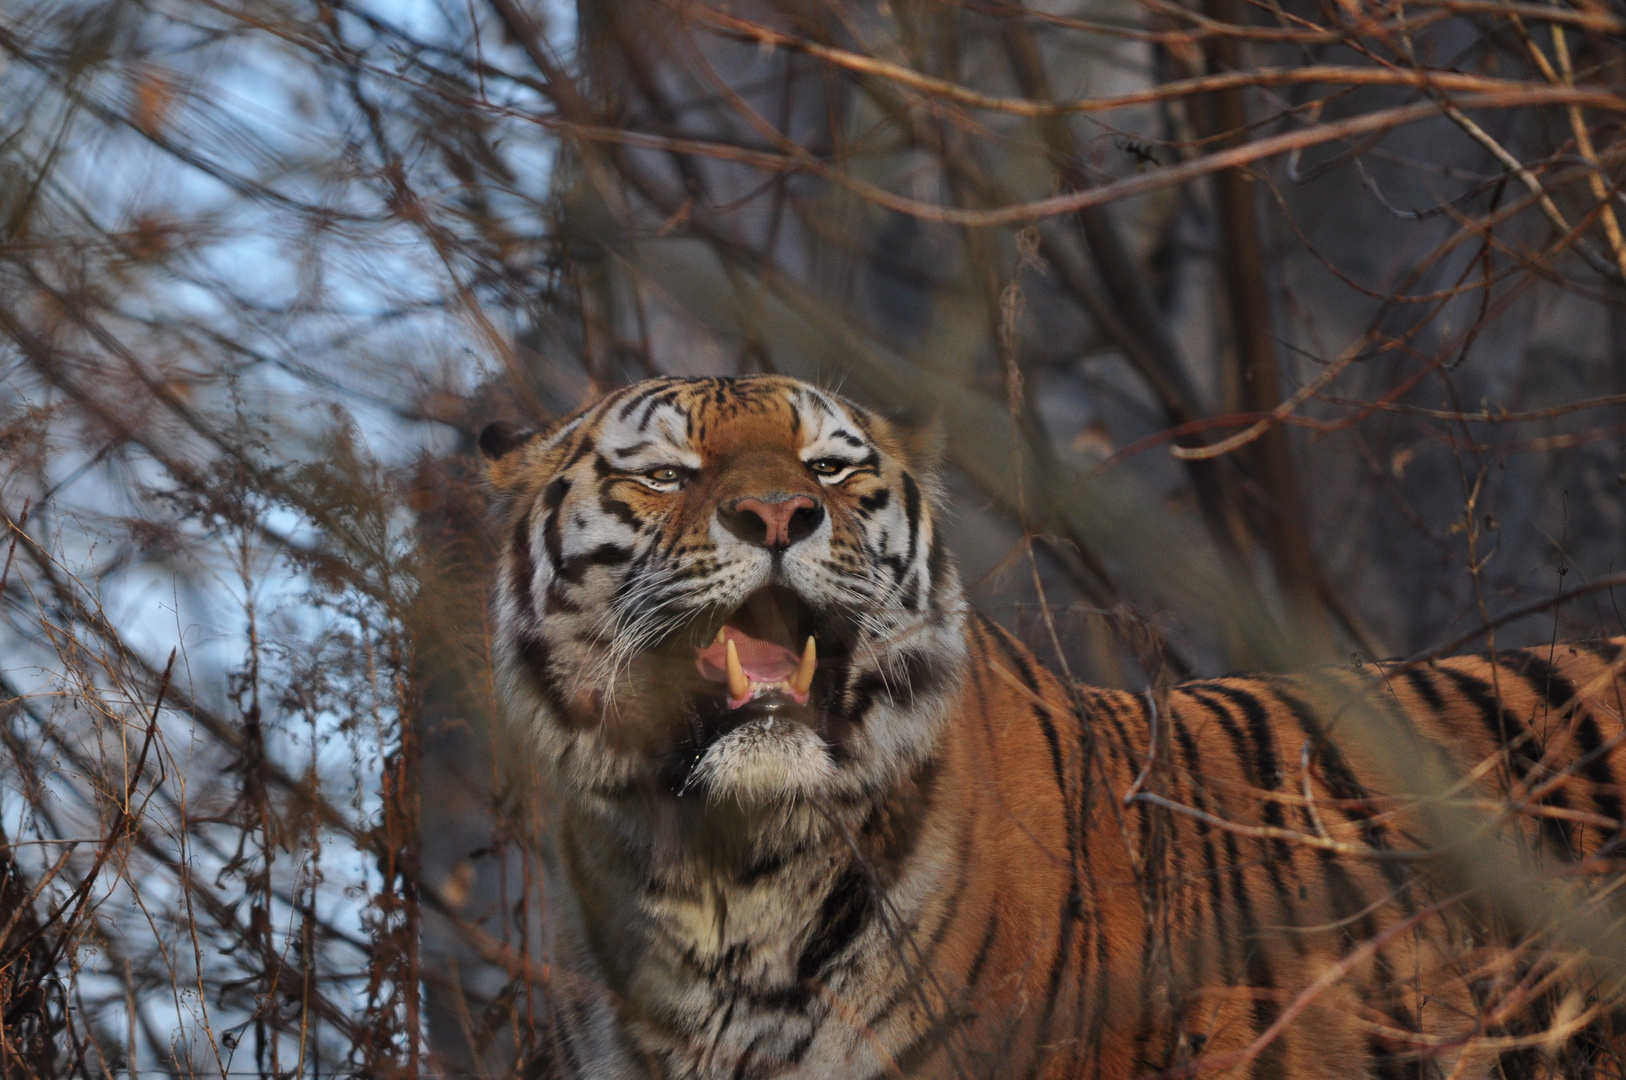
point(500, 438)
point(922, 441)
point(502, 445)
point(519, 458)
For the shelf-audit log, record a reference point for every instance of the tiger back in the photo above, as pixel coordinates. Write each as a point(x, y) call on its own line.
point(818, 819)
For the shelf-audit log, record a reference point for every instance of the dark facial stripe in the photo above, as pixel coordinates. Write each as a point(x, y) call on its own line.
point(659, 401)
point(911, 511)
point(921, 675)
point(536, 664)
point(573, 569)
point(874, 501)
point(936, 558)
point(911, 592)
point(634, 397)
point(555, 602)
point(584, 446)
point(522, 567)
point(621, 511)
point(552, 542)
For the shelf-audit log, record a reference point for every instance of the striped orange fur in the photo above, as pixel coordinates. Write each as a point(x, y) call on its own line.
point(937, 859)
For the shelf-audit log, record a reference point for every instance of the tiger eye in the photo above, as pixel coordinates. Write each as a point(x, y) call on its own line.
point(825, 467)
point(665, 474)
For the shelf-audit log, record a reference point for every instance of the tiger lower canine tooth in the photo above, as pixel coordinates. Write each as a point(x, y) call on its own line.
point(802, 681)
point(739, 687)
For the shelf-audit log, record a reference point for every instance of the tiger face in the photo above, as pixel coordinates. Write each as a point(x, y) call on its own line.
point(727, 586)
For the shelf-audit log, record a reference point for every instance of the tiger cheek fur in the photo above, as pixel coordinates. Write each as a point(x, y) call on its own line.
point(817, 820)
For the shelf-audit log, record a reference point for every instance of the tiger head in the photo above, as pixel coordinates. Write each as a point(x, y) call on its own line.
point(727, 586)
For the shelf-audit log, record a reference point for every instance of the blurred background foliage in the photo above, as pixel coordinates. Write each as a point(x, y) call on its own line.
point(1256, 333)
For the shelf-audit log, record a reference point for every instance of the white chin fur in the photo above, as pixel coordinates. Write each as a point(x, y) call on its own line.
point(766, 760)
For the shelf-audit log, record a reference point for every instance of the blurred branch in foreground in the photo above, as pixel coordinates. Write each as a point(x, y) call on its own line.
point(1257, 334)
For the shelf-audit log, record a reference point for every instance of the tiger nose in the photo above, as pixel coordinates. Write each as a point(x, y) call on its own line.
point(774, 522)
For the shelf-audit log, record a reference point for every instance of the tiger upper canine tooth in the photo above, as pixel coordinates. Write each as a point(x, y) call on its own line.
point(739, 687)
point(720, 637)
point(802, 681)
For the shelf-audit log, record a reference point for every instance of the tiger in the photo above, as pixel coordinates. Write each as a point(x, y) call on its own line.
point(817, 817)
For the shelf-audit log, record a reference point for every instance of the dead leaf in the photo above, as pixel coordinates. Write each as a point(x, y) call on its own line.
point(153, 94)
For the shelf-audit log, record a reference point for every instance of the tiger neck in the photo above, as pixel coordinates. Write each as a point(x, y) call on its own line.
point(767, 915)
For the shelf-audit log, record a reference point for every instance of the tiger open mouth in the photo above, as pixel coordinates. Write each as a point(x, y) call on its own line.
point(771, 651)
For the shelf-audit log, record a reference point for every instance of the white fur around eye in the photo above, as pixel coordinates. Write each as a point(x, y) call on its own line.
point(655, 483)
point(847, 467)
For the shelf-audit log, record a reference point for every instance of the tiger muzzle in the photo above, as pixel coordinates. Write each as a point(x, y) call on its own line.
point(772, 521)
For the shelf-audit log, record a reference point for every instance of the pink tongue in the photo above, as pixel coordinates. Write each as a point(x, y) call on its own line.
point(763, 661)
